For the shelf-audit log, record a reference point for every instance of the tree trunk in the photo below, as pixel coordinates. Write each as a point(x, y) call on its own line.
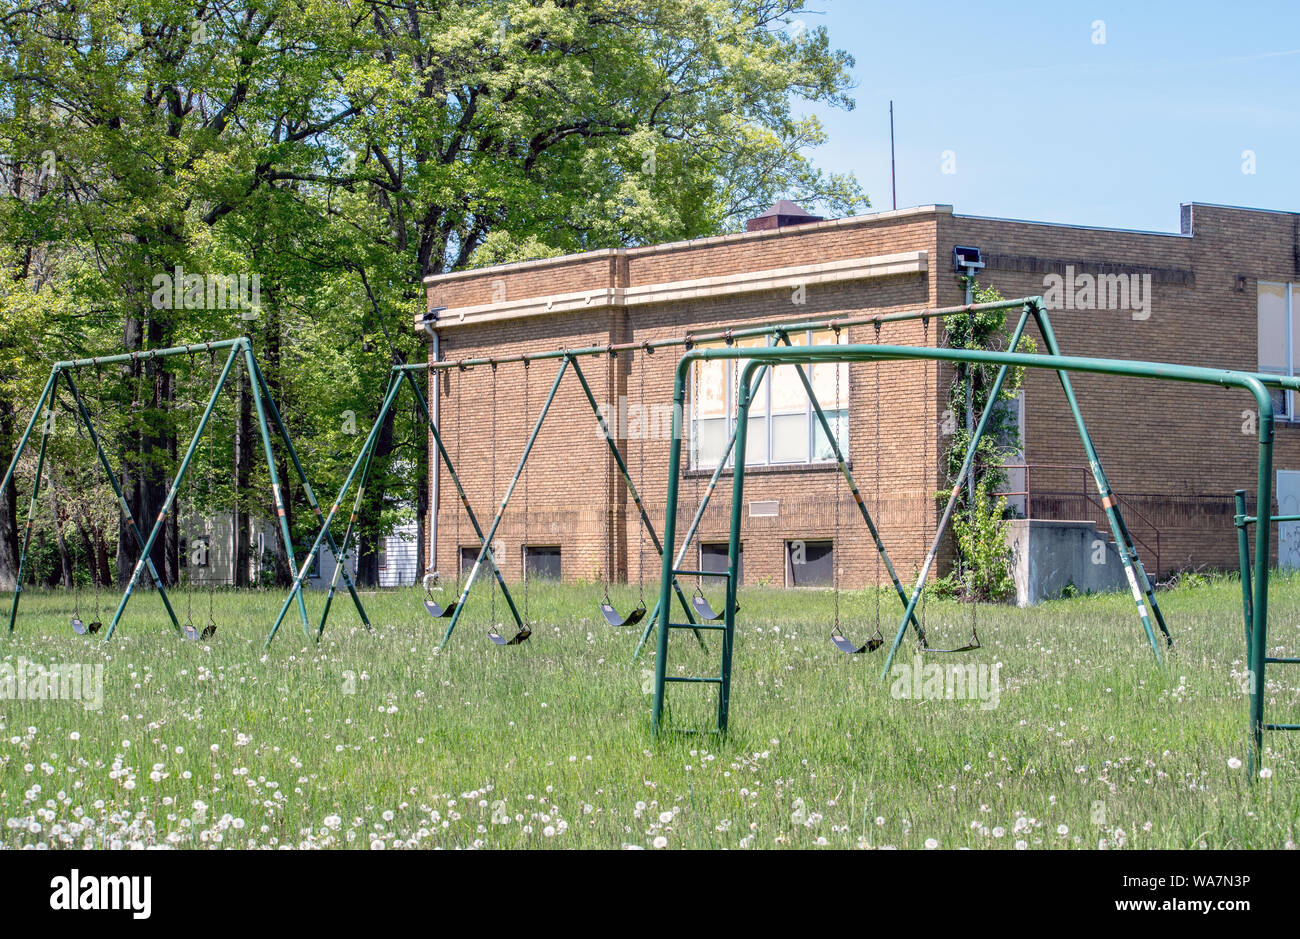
point(273, 370)
point(245, 442)
point(8, 500)
point(129, 447)
point(61, 541)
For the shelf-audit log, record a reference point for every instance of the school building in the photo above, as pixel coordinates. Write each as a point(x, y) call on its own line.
point(1220, 292)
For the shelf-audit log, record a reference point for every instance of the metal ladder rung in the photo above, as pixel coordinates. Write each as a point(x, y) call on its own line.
point(694, 681)
point(715, 626)
point(1282, 661)
point(725, 574)
point(1282, 726)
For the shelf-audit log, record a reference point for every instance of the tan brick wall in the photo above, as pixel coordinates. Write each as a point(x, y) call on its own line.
point(1175, 452)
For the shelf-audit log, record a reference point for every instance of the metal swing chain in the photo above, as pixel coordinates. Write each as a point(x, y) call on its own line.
point(877, 467)
point(459, 511)
point(925, 462)
point(212, 583)
point(839, 478)
point(640, 558)
point(607, 527)
point(189, 541)
point(490, 553)
point(524, 555)
point(95, 489)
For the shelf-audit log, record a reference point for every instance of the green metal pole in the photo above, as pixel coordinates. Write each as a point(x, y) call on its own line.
point(311, 499)
point(342, 553)
point(301, 577)
point(464, 499)
point(171, 494)
point(690, 531)
point(1133, 569)
point(486, 547)
point(733, 541)
point(967, 469)
point(636, 496)
point(31, 518)
point(1263, 529)
point(1243, 555)
point(670, 536)
point(278, 495)
point(31, 424)
point(121, 499)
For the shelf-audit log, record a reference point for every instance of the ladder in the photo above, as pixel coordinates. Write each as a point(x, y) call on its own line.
point(1256, 645)
point(722, 679)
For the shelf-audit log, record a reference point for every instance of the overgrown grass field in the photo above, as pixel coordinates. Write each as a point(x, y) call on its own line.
point(376, 740)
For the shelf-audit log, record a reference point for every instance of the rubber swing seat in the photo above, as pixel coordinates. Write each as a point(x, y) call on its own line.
point(614, 619)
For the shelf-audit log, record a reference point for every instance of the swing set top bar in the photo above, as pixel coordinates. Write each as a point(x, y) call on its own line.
point(727, 335)
point(192, 349)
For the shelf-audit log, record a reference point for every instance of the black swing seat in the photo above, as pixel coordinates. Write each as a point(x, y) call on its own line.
point(706, 612)
point(520, 637)
point(82, 629)
point(852, 648)
point(614, 619)
point(191, 632)
point(969, 647)
point(438, 612)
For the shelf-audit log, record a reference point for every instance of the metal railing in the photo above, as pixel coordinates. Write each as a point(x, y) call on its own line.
point(1151, 543)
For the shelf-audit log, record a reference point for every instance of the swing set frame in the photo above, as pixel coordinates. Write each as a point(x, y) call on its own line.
point(238, 349)
point(1255, 600)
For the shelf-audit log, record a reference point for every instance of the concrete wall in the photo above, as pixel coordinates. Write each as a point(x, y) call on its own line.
point(1047, 556)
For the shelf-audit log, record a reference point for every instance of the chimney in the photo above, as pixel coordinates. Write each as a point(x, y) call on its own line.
point(781, 215)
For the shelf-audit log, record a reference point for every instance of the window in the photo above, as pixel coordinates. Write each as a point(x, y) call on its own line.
point(1277, 340)
point(542, 562)
point(713, 557)
point(383, 554)
point(809, 563)
point(468, 555)
point(783, 427)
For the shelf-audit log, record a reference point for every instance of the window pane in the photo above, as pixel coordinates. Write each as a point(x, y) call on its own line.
point(713, 557)
point(759, 404)
point(1272, 327)
point(710, 439)
point(467, 558)
point(810, 563)
point(790, 438)
point(756, 445)
point(824, 376)
point(542, 563)
point(788, 396)
point(839, 420)
point(711, 389)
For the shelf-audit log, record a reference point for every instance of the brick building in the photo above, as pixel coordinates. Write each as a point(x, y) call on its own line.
point(1217, 293)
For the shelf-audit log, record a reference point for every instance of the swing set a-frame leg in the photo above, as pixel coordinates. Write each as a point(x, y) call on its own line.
point(636, 496)
point(485, 552)
point(967, 466)
point(339, 565)
point(423, 405)
point(121, 499)
point(1138, 581)
point(175, 488)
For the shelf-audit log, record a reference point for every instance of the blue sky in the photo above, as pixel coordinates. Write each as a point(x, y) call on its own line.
point(1045, 124)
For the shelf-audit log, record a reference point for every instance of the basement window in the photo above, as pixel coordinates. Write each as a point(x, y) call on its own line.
point(783, 426)
point(542, 562)
point(468, 555)
point(809, 563)
point(713, 557)
point(1277, 352)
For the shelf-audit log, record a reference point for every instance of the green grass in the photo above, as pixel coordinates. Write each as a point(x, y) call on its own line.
point(376, 738)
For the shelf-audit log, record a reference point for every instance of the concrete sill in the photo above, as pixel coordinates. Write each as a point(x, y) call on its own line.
point(776, 469)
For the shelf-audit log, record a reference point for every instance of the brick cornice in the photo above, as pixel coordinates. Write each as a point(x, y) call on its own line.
point(734, 284)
